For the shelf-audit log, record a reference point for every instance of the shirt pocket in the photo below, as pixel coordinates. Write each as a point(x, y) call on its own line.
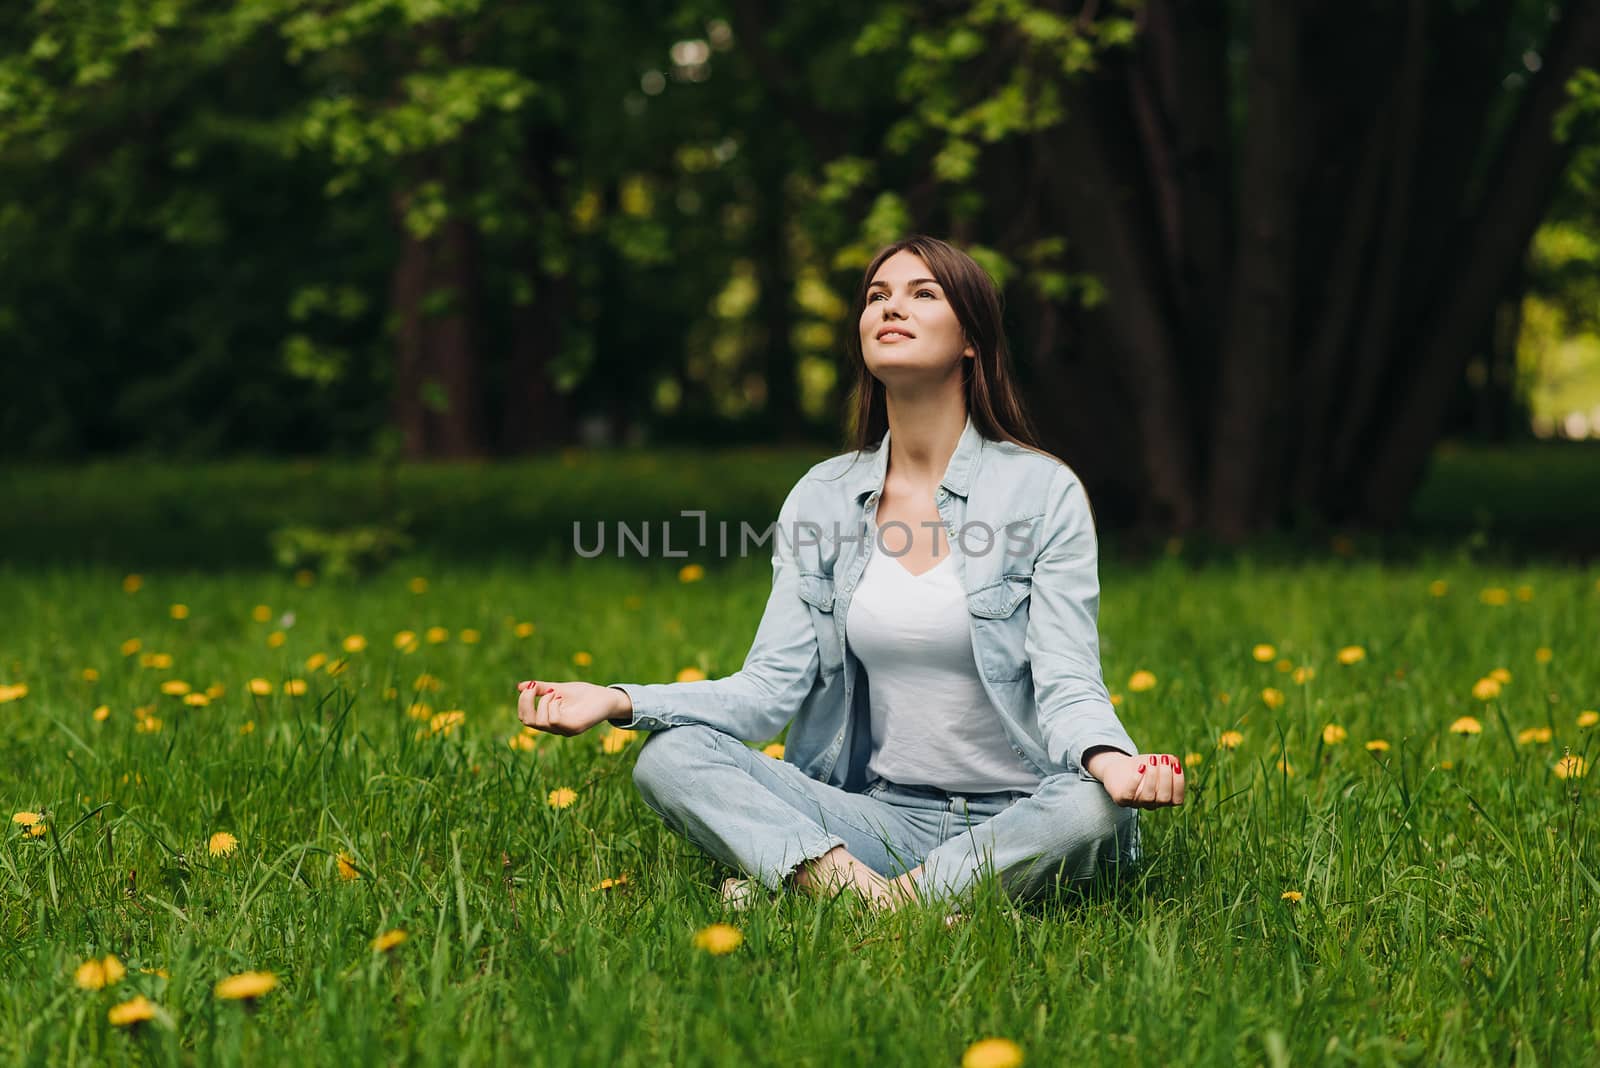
point(1000, 626)
point(817, 592)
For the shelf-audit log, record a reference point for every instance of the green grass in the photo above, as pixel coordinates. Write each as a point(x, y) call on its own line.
point(1450, 914)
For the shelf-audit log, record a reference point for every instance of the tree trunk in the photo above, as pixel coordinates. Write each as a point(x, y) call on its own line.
point(1087, 167)
point(1484, 258)
point(431, 291)
point(1250, 425)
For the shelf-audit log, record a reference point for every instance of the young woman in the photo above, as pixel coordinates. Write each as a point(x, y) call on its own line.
point(930, 641)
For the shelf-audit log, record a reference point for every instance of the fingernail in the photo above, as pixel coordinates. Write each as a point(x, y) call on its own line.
point(1141, 769)
point(1179, 770)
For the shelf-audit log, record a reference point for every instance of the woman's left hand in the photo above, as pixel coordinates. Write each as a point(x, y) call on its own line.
point(1149, 780)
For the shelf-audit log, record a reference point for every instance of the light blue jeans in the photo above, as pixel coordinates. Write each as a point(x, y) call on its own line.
point(764, 817)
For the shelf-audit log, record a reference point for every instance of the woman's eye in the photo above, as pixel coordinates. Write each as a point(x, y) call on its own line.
point(872, 297)
point(925, 293)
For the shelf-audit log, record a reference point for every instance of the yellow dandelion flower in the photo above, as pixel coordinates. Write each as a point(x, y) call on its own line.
point(294, 687)
point(1286, 767)
point(337, 667)
point(354, 643)
point(1486, 688)
point(159, 661)
point(1466, 725)
point(98, 974)
point(582, 658)
point(1543, 655)
point(245, 985)
point(1377, 745)
point(276, 639)
point(1291, 896)
point(388, 940)
point(524, 741)
point(992, 1053)
point(247, 727)
point(1229, 740)
point(179, 611)
point(347, 867)
point(102, 713)
point(132, 583)
point(1272, 698)
point(222, 844)
point(562, 796)
point(261, 613)
point(427, 682)
point(775, 750)
point(315, 661)
point(148, 725)
point(691, 573)
point(1500, 675)
point(216, 690)
point(175, 687)
point(304, 577)
point(615, 741)
point(1333, 734)
point(446, 722)
point(406, 641)
point(1140, 681)
point(524, 630)
point(1495, 596)
point(90, 675)
point(1284, 665)
point(131, 646)
point(1534, 735)
point(691, 674)
point(196, 700)
point(1303, 675)
point(469, 636)
point(718, 939)
point(419, 710)
point(1570, 766)
point(38, 830)
point(1352, 654)
point(1224, 697)
point(260, 687)
point(437, 635)
point(1116, 700)
point(13, 692)
point(1588, 718)
point(1447, 764)
point(607, 884)
point(418, 585)
point(1192, 757)
point(26, 819)
point(1524, 593)
point(1438, 588)
point(134, 1011)
point(1264, 653)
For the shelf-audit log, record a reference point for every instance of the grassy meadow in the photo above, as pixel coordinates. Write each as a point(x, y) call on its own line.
point(1388, 856)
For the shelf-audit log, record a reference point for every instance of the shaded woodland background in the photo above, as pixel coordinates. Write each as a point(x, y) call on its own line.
point(1259, 257)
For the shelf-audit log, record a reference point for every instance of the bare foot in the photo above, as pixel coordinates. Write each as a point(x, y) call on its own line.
point(838, 870)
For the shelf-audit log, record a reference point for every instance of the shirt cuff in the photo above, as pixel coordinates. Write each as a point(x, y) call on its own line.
point(644, 717)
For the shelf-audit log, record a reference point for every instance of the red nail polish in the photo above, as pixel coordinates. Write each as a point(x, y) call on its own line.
point(1179, 770)
point(1141, 769)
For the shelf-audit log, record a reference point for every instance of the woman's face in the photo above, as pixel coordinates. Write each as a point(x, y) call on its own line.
point(909, 331)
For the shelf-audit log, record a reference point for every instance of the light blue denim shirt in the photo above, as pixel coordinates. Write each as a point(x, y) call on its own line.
point(1028, 561)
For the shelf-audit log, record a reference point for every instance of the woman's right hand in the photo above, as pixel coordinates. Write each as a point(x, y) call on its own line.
point(568, 707)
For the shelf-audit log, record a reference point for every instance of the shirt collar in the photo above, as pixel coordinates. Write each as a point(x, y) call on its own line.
point(957, 473)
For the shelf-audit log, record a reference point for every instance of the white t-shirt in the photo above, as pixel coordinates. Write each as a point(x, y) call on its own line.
point(932, 722)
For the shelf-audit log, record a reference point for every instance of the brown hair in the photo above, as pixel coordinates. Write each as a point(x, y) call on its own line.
point(992, 401)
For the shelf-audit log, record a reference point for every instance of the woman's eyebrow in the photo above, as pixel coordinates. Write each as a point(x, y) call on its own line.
point(913, 282)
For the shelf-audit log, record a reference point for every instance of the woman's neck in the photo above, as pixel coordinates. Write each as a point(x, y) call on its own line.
point(923, 434)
